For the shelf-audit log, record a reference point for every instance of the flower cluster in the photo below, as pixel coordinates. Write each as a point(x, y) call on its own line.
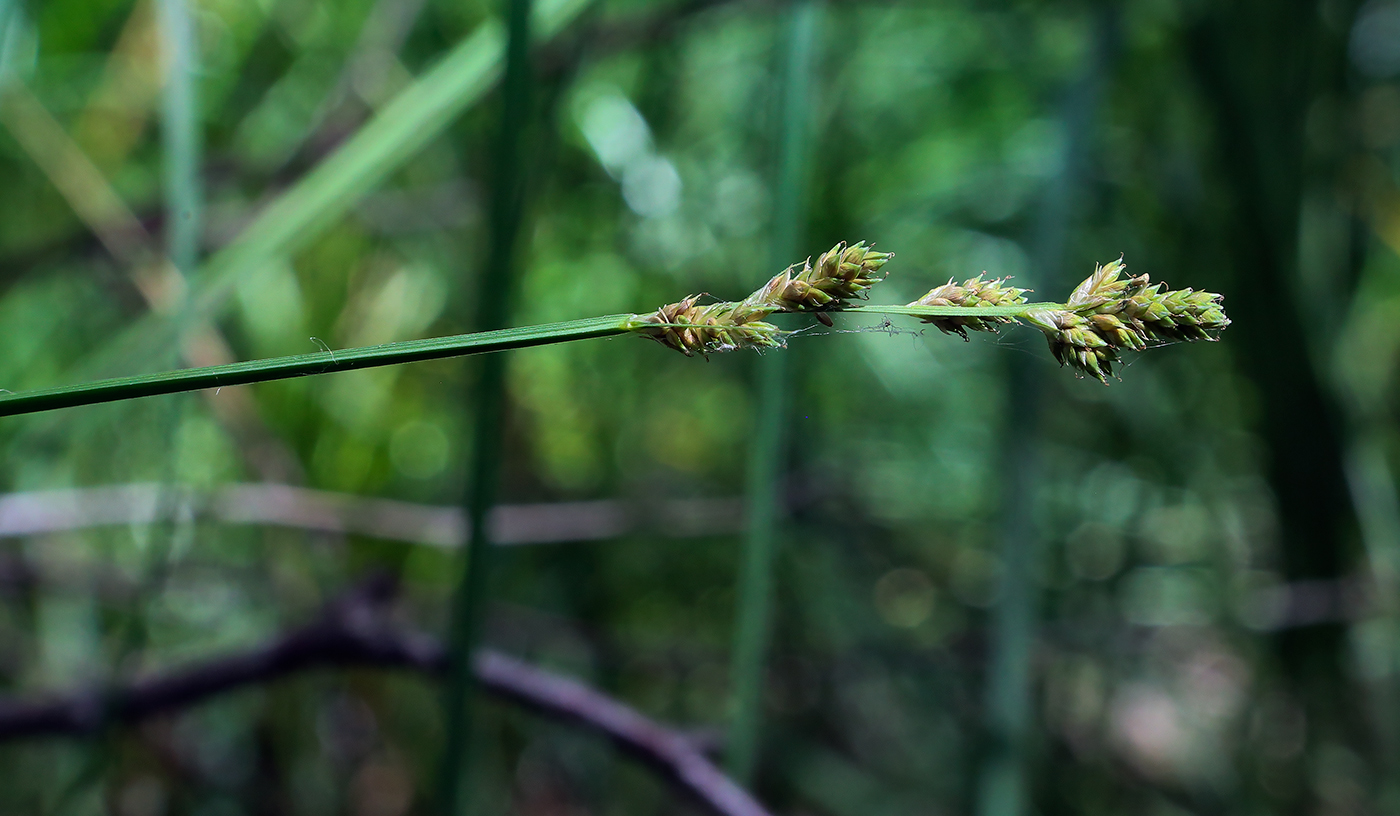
point(974, 292)
point(839, 274)
point(1109, 312)
point(692, 329)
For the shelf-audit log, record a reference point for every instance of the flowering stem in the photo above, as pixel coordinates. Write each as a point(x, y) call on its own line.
point(1106, 314)
point(301, 365)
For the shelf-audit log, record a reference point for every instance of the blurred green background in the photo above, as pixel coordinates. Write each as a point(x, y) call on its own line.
point(997, 589)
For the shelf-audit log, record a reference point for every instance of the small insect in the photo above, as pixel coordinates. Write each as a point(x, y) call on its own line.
point(825, 319)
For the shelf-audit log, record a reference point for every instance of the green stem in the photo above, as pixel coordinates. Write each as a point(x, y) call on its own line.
point(321, 362)
point(765, 476)
point(1018, 310)
point(409, 351)
point(461, 754)
point(1003, 778)
point(180, 137)
point(180, 160)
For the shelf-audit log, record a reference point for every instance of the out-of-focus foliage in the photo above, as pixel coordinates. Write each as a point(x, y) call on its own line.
point(1216, 538)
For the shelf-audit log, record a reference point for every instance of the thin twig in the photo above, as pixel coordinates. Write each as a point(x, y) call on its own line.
point(354, 632)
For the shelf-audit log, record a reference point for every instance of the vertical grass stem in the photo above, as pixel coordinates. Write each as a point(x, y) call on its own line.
point(180, 137)
point(493, 309)
point(764, 493)
point(1003, 779)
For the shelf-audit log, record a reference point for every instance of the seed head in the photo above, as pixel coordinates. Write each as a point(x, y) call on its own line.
point(1103, 286)
point(841, 273)
point(845, 272)
point(1076, 341)
point(718, 327)
point(1108, 312)
point(973, 292)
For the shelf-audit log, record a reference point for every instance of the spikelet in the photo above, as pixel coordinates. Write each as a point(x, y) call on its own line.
point(692, 329)
point(840, 274)
point(845, 272)
point(973, 292)
point(1109, 312)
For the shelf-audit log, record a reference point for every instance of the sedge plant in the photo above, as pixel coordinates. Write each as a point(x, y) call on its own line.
point(1106, 315)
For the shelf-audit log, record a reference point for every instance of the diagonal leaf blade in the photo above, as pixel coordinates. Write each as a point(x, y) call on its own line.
point(302, 365)
point(396, 133)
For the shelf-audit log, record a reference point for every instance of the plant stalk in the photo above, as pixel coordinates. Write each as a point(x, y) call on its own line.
point(409, 351)
point(765, 476)
point(301, 365)
point(1003, 783)
point(436, 348)
point(180, 137)
point(495, 280)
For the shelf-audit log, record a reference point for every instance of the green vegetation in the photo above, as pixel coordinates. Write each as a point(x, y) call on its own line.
point(877, 570)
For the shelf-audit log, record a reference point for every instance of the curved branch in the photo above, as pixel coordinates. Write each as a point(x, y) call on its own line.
point(355, 633)
point(668, 751)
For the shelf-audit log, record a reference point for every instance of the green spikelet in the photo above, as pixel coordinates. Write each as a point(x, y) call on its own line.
point(840, 274)
point(845, 272)
point(719, 327)
point(1109, 312)
point(973, 292)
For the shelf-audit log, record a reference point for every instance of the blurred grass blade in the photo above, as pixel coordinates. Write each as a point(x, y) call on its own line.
point(495, 281)
point(413, 118)
point(71, 172)
point(180, 137)
point(91, 197)
point(1003, 785)
point(12, 26)
point(301, 365)
point(113, 120)
point(765, 476)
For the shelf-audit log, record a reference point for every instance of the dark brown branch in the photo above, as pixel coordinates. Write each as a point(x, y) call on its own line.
point(355, 633)
point(670, 752)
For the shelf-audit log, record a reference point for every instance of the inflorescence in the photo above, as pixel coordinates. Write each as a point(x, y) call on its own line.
point(973, 292)
point(1106, 314)
point(839, 275)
